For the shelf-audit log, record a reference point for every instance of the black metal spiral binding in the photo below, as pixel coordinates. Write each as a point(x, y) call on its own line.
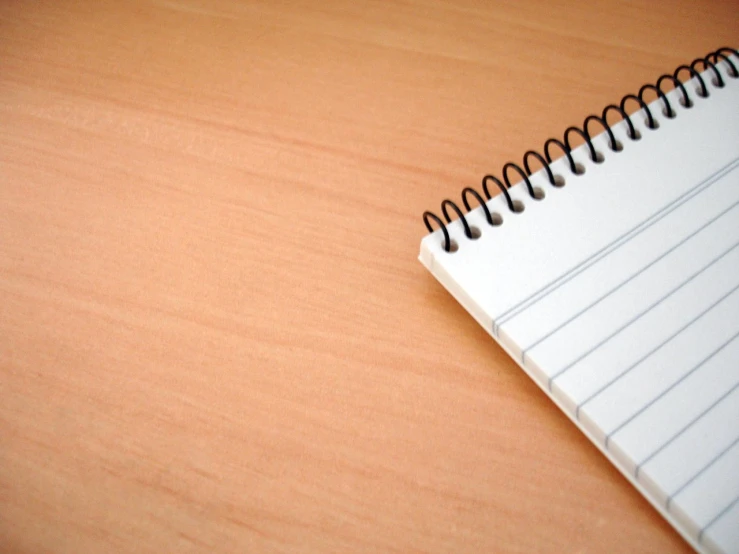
point(709, 61)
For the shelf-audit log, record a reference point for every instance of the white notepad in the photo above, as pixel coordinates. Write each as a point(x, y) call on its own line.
point(618, 293)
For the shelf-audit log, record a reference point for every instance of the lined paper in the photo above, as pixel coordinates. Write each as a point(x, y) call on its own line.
point(619, 295)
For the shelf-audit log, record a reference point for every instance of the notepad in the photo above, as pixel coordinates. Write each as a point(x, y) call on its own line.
point(611, 276)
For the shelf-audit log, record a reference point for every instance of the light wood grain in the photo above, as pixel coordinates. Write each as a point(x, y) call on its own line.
point(214, 333)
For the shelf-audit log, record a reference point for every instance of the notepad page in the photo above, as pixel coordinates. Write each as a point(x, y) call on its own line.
point(619, 294)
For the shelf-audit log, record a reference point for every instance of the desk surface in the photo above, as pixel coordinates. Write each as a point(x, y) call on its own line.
point(214, 332)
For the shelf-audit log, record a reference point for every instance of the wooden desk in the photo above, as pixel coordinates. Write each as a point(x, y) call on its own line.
point(214, 333)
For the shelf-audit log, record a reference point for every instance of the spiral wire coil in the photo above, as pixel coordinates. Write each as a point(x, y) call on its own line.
point(469, 193)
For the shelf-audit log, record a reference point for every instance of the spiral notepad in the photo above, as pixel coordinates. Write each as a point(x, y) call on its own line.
point(611, 275)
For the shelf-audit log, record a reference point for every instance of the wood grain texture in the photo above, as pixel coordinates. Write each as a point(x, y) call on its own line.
point(214, 333)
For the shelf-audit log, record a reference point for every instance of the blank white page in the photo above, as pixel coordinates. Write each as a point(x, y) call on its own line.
point(619, 294)
point(724, 534)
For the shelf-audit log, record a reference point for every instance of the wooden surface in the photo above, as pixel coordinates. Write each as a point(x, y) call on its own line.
point(214, 332)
